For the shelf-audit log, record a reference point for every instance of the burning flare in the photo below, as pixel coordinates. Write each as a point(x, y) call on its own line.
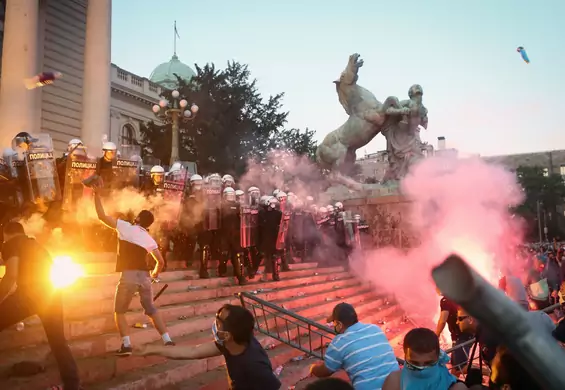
point(65, 272)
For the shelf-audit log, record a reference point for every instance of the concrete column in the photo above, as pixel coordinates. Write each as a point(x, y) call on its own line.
point(96, 82)
point(18, 105)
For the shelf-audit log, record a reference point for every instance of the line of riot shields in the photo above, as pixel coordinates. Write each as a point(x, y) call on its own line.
point(195, 213)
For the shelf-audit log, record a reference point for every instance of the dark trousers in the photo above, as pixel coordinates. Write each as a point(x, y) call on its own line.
point(17, 307)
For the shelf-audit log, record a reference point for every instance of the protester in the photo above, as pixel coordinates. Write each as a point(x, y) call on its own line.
point(329, 384)
point(247, 363)
point(133, 245)
point(460, 354)
point(508, 374)
point(362, 350)
point(28, 266)
point(488, 342)
point(425, 366)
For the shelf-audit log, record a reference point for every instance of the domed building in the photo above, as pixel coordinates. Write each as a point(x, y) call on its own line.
point(164, 74)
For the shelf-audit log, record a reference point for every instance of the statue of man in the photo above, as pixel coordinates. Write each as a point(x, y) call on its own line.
point(404, 145)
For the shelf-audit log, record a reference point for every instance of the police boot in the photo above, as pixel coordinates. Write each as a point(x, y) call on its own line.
point(284, 261)
point(275, 265)
point(238, 268)
point(255, 259)
point(249, 264)
point(268, 259)
point(204, 257)
point(223, 265)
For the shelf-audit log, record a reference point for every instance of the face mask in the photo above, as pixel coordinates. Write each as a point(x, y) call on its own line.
point(422, 372)
point(215, 333)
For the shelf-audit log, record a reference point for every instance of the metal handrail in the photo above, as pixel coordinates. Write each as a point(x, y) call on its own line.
point(298, 320)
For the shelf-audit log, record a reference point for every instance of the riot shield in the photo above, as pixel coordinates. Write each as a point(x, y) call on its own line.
point(213, 200)
point(353, 239)
point(283, 230)
point(10, 192)
point(249, 223)
point(39, 179)
point(79, 167)
point(173, 194)
point(128, 167)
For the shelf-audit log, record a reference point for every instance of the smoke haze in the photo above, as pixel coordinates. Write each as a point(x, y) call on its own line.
point(458, 206)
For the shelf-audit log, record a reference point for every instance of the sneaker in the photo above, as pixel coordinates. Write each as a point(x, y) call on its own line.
point(124, 351)
point(170, 344)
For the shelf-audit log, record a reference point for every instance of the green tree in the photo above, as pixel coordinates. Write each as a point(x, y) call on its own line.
point(549, 191)
point(234, 123)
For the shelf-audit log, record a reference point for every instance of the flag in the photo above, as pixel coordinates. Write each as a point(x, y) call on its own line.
point(176, 31)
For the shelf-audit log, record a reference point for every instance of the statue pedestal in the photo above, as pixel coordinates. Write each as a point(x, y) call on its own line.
point(385, 210)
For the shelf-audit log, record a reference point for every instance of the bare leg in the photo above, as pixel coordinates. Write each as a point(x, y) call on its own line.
point(121, 324)
point(158, 323)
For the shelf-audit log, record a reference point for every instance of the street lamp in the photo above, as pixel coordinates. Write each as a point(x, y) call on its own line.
point(171, 112)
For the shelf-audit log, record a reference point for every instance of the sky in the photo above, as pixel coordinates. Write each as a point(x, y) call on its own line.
point(479, 93)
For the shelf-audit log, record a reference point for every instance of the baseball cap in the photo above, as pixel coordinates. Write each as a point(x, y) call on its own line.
point(343, 312)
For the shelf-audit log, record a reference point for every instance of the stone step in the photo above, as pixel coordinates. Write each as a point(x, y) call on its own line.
point(282, 355)
point(168, 375)
point(105, 285)
point(97, 317)
point(104, 367)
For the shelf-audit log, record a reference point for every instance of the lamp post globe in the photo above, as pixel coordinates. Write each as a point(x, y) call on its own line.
point(171, 112)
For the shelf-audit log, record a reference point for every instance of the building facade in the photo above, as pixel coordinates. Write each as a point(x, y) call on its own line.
point(95, 99)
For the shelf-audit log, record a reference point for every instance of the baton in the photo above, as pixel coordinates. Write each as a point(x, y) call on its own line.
point(160, 292)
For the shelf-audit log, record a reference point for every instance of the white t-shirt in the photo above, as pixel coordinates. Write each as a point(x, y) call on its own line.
point(135, 234)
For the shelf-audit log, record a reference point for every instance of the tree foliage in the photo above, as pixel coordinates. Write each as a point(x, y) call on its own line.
point(548, 190)
point(234, 123)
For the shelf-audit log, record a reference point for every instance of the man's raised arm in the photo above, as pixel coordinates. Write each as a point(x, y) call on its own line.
point(105, 219)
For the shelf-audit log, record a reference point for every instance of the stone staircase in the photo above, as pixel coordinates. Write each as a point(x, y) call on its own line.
point(188, 306)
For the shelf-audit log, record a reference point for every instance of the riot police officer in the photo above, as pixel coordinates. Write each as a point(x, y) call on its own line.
point(283, 242)
point(228, 181)
point(191, 219)
point(270, 221)
point(106, 164)
point(231, 237)
point(342, 252)
point(208, 236)
point(250, 230)
point(155, 183)
point(239, 196)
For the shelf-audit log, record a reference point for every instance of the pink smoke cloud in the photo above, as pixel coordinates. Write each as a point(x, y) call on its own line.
point(458, 206)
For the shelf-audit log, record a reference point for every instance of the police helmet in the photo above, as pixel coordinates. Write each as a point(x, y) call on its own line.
point(339, 206)
point(229, 193)
point(175, 167)
point(195, 178)
point(329, 208)
point(276, 191)
point(280, 195)
point(237, 192)
point(226, 179)
point(157, 169)
point(74, 142)
point(322, 210)
point(253, 189)
point(309, 199)
point(109, 146)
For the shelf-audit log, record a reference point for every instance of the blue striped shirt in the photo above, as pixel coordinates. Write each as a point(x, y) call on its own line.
point(365, 354)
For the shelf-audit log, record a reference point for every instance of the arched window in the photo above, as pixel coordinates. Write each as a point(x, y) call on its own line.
point(127, 137)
